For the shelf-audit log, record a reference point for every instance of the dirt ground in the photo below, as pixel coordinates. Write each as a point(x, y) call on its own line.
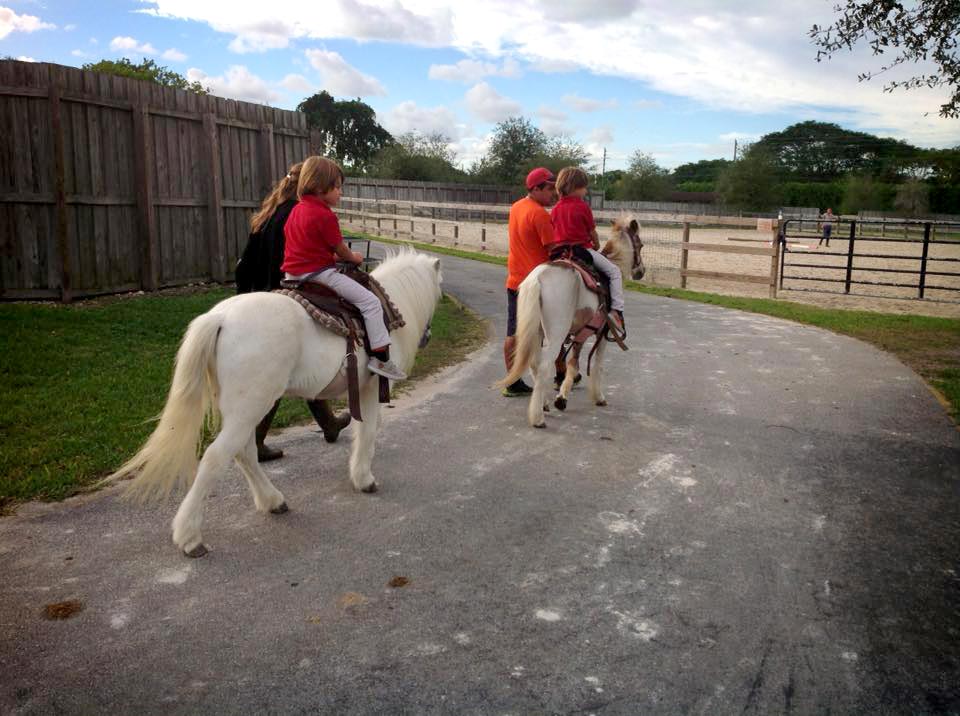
point(662, 257)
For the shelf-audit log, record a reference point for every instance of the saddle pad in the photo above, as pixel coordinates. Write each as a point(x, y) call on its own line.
point(589, 279)
point(327, 320)
point(335, 322)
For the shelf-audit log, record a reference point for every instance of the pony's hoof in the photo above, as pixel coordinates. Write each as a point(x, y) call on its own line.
point(540, 425)
point(561, 403)
point(601, 403)
point(196, 552)
point(370, 489)
point(280, 509)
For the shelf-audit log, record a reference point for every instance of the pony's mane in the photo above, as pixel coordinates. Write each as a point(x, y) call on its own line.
point(616, 246)
point(411, 280)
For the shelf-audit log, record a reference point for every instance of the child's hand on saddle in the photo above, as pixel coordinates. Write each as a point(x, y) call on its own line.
point(356, 257)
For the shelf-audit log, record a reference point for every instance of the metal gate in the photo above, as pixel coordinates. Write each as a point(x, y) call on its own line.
point(902, 258)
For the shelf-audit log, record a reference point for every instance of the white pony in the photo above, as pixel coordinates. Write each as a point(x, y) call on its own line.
point(238, 359)
point(552, 303)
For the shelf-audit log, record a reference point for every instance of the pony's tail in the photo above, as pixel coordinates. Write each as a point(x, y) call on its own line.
point(529, 316)
point(168, 459)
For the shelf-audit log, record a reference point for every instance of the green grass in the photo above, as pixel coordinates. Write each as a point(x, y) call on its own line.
point(930, 346)
point(81, 383)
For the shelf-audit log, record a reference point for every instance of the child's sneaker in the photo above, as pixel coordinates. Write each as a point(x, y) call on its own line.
point(616, 319)
point(387, 369)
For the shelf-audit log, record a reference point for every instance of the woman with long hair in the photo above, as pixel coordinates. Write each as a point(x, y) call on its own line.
point(259, 270)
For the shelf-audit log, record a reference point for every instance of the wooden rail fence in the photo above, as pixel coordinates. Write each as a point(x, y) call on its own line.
point(109, 184)
point(773, 251)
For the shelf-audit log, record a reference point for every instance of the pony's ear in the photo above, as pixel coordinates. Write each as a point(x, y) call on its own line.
point(436, 265)
point(634, 226)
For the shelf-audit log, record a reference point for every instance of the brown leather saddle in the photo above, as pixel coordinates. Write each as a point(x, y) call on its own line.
point(578, 259)
point(332, 312)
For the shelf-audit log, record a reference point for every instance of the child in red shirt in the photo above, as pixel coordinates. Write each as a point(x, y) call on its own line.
point(573, 225)
point(313, 243)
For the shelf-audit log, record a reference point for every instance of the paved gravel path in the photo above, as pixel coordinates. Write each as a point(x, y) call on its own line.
point(764, 520)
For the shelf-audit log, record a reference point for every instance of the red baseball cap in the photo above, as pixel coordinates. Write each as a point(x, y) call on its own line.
point(538, 176)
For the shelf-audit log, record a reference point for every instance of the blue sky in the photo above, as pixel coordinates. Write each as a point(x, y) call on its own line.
point(680, 80)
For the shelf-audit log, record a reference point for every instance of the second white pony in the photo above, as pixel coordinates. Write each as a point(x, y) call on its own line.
point(552, 303)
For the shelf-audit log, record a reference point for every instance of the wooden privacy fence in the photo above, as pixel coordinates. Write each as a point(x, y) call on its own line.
point(109, 184)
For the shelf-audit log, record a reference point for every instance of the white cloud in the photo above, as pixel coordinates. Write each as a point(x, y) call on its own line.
point(79, 53)
point(255, 28)
point(408, 117)
point(748, 57)
point(125, 44)
point(174, 55)
point(12, 22)
point(471, 71)
point(339, 78)
point(585, 104)
point(262, 36)
point(601, 135)
point(739, 136)
point(237, 83)
point(487, 104)
point(24, 58)
point(297, 83)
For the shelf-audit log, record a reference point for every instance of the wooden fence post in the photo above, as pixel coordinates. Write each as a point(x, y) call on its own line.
point(144, 158)
point(60, 191)
point(456, 234)
point(683, 254)
point(267, 158)
point(218, 238)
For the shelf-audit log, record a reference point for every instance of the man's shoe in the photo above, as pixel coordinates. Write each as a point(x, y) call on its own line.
point(388, 369)
point(516, 389)
point(265, 453)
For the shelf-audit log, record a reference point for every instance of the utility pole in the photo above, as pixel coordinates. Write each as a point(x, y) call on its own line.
point(603, 178)
point(734, 150)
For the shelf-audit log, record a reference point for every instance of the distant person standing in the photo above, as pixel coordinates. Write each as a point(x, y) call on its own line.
point(529, 231)
point(827, 219)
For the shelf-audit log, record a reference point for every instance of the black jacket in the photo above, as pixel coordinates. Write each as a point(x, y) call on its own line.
point(259, 266)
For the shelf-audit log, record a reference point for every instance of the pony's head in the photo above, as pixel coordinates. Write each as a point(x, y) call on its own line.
point(412, 281)
point(625, 246)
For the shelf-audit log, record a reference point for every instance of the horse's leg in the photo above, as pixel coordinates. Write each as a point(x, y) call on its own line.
point(573, 362)
point(266, 497)
point(365, 438)
point(540, 365)
point(233, 438)
point(596, 375)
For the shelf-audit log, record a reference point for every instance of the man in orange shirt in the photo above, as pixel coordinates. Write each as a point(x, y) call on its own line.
point(529, 231)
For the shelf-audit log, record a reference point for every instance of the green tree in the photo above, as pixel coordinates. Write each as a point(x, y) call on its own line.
point(822, 151)
point(644, 180)
point(861, 193)
point(705, 172)
point(515, 146)
point(147, 70)
point(753, 182)
point(918, 31)
point(913, 198)
point(347, 130)
point(417, 157)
